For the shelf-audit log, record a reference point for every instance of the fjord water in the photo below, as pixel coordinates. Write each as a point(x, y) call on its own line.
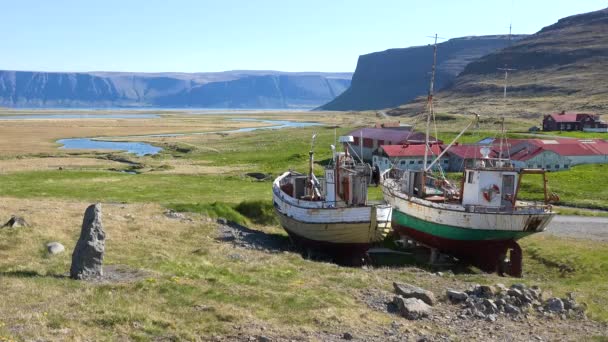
point(141, 148)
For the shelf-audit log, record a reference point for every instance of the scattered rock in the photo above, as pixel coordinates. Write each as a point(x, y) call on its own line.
point(87, 258)
point(501, 287)
point(411, 291)
point(515, 293)
point(554, 305)
point(347, 336)
point(54, 248)
point(176, 216)
point(245, 237)
point(486, 291)
point(16, 222)
point(491, 318)
point(510, 309)
point(412, 308)
point(570, 304)
point(456, 296)
point(490, 306)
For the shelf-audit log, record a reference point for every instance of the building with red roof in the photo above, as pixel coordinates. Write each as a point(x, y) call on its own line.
point(367, 140)
point(567, 121)
point(549, 154)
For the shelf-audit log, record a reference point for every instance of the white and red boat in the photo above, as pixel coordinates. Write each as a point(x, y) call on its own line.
point(332, 213)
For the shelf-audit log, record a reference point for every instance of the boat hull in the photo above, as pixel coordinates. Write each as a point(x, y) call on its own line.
point(344, 236)
point(482, 239)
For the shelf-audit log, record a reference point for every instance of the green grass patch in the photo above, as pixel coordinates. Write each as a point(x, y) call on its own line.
point(259, 211)
point(581, 186)
point(567, 265)
point(576, 134)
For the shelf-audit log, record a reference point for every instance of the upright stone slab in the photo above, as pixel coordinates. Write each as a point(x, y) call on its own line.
point(87, 258)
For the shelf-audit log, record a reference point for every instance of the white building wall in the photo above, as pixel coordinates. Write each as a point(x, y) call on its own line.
point(550, 161)
point(594, 159)
point(406, 163)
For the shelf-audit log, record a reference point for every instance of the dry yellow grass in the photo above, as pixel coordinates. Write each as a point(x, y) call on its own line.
point(66, 163)
point(39, 136)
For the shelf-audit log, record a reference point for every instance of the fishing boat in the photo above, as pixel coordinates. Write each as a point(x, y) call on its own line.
point(332, 214)
point(478, 221)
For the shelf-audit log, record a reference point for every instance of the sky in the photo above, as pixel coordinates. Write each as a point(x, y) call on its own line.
point(286, 35)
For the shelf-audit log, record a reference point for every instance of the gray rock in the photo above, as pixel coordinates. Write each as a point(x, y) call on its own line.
point(347, 336)
point(491, 318)
point(456, 296)
point(411, 291)
point(501, 287)
point(520, 287)
point(54, 248)
point(479, 314)
point(412, 308)
point(536, 292)
point(486, 291)
point(87, 258)
point(554, 305)
point(569, 304)
point(490, 306)
point(222, 220)
point(515, 293)
point(175, 215)
point(15, 222)
point(511, 309)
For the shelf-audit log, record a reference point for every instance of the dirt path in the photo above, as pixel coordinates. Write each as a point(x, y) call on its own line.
point(581, 227)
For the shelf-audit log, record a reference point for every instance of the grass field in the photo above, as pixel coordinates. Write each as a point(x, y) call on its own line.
point(184, 284)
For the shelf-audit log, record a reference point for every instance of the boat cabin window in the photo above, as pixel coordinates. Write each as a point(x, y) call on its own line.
point(470, 175)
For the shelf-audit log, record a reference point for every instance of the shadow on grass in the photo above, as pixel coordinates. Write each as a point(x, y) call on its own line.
point(391, 255)
point(30, 274)
point(245, 237)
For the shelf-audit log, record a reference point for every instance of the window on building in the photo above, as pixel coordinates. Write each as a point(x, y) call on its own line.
point(557, 166)
point(445, 161)
point(356, 141)
point(548, 167)
point(470, 175)
point(420, 162)
point(367, 142)
point(411, 162)
point(403, 162)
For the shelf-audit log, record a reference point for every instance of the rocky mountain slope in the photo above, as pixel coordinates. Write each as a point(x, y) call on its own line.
point(231, 89)
point(564, 66)
point(393, 77)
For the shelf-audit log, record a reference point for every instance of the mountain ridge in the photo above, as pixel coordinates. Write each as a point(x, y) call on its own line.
point(392, 77)
point(126, 89)
point(561, 67)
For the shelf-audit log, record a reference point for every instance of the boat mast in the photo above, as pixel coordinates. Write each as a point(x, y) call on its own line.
point(504, 101)
point(430, 105)
point(311, 159)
